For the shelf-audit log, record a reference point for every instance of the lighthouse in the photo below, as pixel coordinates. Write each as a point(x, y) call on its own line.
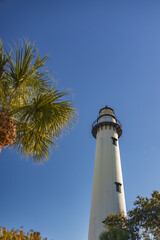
point(107, 191)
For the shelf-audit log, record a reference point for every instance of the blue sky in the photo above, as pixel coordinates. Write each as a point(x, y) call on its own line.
point(108, 53)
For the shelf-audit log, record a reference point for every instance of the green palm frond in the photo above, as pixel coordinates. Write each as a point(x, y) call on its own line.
point(4, 84)
point(3, 61)
point(26, 73)
point(38, 110)
point(31, 143)
point(41, 122)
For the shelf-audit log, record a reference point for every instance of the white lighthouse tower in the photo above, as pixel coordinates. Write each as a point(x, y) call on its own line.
point(108, 192)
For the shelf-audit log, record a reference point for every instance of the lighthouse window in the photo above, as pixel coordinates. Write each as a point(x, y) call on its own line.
point(114, 141)
point(118, 187)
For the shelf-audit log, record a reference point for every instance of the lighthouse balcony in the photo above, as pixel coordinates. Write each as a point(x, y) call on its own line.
point(106, 121)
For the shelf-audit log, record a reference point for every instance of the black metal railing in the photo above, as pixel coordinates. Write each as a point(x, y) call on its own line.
point(96, 122)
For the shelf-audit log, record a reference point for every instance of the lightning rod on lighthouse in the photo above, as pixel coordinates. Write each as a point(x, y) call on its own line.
point(107, 191)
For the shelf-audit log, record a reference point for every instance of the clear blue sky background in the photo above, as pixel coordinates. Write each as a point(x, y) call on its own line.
point(107, 52)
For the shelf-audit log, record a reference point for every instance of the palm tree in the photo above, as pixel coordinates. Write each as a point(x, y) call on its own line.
point(33, 113)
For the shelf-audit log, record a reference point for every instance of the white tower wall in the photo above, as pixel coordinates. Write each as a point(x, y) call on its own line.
point(106, 199)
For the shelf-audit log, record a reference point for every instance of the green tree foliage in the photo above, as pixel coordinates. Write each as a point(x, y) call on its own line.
point(143, 221)
point(19, 235)
point(146, 216)
point(115, 233)
point(33, 113)
point(116, 228)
